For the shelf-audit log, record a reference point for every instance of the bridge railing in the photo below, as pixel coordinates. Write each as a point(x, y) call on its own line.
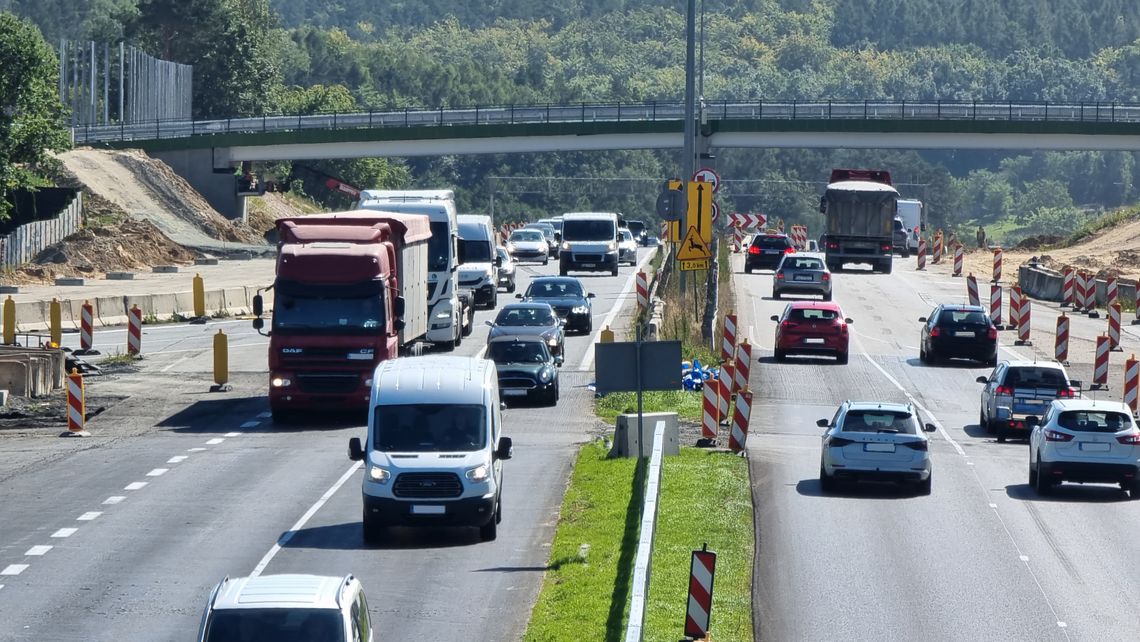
point(619, 112)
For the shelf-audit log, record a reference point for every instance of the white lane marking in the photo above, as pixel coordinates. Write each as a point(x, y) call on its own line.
point(264, 415)
point(251, 424)
point(207, 349)
point(173, 364)
point(482, 351)
point(37, 551)
point(195, 450)
point(588, 358)
point(65, 532)
point(284, 539)
point(111, 501)
point(135, 486)
point(177, 459)
point(215, 441)
point(233, 434)
point(89, 516)
point(1024, 558)
point(14, 569)
point(157, 472)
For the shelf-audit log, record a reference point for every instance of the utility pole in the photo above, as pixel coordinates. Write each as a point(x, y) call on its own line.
point(688, 165)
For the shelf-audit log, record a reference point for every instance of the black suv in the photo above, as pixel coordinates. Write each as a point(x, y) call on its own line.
point(958, 331)
point(766, 251)
point(900, 239)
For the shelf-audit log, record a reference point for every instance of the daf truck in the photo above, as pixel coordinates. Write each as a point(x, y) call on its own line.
point(859, 206)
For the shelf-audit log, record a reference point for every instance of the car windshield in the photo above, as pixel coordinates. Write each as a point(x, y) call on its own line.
point(547, 232)
point(274, 625)
point(439, 246)
point(536, 317)
point(1094, 421)
point(899, 226)
point(503, 254)
point(518, 352)
point(812, 314)
point(588, 230)
point(553, 289)
point(770, 241)
point(426, 427)
point(880, 421)
point(328, 309)
point(475, 251)
point(1036, 377)
point(626, 235)
point(534, 236)
point(801, 263)
point(962, 317)
point(636, 227)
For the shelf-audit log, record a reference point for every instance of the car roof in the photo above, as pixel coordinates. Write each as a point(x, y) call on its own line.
point(766, 235)
point(281, 591)
point(1084, 403)
point(814, 305)
point(515, 338)
point(526, 305)
point(556, 279)
point(422, 379)
point(1026, 363)
point(960, 307)
point(880, 405)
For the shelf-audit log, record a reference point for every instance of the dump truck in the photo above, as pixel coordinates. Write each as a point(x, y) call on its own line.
point(859, 206)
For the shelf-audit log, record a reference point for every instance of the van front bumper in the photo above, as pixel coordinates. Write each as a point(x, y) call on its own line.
point(473, 511)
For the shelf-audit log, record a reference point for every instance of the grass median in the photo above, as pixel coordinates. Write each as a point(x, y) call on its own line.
point(705, 497)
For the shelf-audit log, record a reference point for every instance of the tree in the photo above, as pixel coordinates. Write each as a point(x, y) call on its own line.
point(31, 115)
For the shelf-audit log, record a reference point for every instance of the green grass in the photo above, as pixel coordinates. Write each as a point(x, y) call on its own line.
point(687, 405)
point(587, 598)
point(1100, 223)
point(119, 358)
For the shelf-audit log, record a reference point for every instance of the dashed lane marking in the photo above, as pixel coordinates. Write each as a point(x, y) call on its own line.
point(157, 472)
point(37, 551)
point(14, 569)
point(588, 358)
point(215, 441)
point(64, 532)
point(111, 501)
point(89, 516)
point(195, 450)
point(135, 486)
point(233, 434)
point(177, 459)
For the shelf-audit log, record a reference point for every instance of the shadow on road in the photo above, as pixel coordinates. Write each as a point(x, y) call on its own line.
point(219, 414)
point(857, 490)
point(1088, 493)
point(350, 537)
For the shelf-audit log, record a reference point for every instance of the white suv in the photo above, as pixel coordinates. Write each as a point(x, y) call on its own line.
point(1085, 440)
point(873, 441)
point(287, 607)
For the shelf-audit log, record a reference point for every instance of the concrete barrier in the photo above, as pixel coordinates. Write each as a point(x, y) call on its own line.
point(1041, 283)
point(112, 310)
point(30, 372)
point(626, 438)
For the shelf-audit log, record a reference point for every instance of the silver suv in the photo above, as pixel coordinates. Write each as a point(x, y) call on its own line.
point(287, 608)
point(1018, 390)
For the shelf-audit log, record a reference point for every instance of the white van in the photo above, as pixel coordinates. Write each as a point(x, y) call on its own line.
point(589, 242)
point(434, 451)
point(910, 212)
point(478, 261)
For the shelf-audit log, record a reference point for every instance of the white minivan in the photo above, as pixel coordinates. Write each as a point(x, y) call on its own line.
point(478, 261)
point(589, 242)
point(434, 451)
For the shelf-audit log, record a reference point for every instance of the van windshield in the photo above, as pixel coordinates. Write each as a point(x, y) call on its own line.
point(425, 428)
point(588, 230)
point(475, 251)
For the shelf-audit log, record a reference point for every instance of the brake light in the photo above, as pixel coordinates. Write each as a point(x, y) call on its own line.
point(1066, 393)
point(1004, 390)
point(1130, 440)
point(935, 332)
point(789, 250)
point(779, 275)
point(838, 442)
point(916, 445)
point(833, 245)
point(886, 247)
point(788, 324)
point(1053, 435)
point(826, 276)
point(991, 334)
point(916, 230)
point(753, 250)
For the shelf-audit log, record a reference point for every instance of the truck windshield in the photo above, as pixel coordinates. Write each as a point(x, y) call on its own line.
point(275, 625)
point(588, 230)
point(475, 251)
point(419, 428)
point(439, 247)
point(328, 308)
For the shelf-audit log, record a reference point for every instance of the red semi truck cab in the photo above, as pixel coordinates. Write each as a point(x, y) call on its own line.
point(350, 291)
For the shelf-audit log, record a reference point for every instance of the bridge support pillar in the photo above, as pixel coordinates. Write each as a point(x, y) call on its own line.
point(218, 185)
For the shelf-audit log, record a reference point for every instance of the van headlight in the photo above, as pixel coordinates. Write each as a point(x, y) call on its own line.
point(510, 247)
point(611, 246)
point(478, 473)
point(379, 474)
point(552, 341)
point(566, 246)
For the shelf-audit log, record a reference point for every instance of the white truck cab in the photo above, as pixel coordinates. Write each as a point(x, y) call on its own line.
point(478, 261)
point(434, 451)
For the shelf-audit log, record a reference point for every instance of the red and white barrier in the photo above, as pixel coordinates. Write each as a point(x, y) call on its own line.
point(1061, 340)
point(921, 255)
point(1067, 284)
point(504, 234)
point(1131, 382)
point(134, 330)
point(738, 437)
point(86, 327)
point(1015, 306)
point(1111, 294)
point(710, 415)
point(743, 366)
point(959, 259)
point(642, 291)
point(737, 239)
point(937, 258)
point(724, 382)
point(1100, 364)
point(995, 304)
point(1114, 327)
point(972, 290)
point(76, 404)
point(799, 236)
point(728, 339)
point(698, 613)
point(748, 221)
point(997, 264)
point(1024, 321)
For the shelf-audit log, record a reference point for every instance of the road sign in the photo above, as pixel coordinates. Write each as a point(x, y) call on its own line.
point(706, 175)
point(700, 209)
point(671, 205)
point(694, 247)
point(748, 221)
point(673, 231)
point(715, 212)
point(691, 266)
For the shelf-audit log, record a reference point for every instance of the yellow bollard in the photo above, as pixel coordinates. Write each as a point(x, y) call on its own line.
point(9, 321)
point(221, 363)
point(606, 335)
point(55, 316)
point(199, 296)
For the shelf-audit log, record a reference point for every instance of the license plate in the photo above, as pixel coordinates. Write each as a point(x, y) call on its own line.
point(964, 334)
point(879, 448)
point(589, 265)
point(803, 277)
point(813, 340)
point(772, 252)
point(1093, 447)
point(513, 393)
point(418, 509)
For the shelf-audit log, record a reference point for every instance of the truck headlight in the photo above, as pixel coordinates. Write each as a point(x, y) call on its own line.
point(280, 382)
point(378, 474)
point(478, 473)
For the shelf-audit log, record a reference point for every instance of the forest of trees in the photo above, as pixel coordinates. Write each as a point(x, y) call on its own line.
point(259, 56)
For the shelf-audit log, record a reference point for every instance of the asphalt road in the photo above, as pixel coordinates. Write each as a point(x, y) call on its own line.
point(122, 536)
point(983, 557)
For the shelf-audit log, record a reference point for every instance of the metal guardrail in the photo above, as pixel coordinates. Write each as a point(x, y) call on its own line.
point(640, 590)
point(618, 112)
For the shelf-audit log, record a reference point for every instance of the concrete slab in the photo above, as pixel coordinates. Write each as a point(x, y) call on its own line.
point(69, 280)
point(120, 276)
point(9, 289)
point(205, 261)
point(164, 269)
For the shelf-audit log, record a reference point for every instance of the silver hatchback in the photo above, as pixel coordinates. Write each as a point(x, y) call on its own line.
point(801, 274)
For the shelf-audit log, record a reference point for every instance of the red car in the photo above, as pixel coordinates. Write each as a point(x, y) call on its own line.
point(813, 328)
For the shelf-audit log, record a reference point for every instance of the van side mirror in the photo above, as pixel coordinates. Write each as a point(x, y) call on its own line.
point(849, 321)
point(506, 448)
point(590, 295)
point(822, 423)
point(558, 361)
point(519, 295)
point(398, 306)
point(355, 452)
point(258, 305)
point(922, 319)
point(398, 324)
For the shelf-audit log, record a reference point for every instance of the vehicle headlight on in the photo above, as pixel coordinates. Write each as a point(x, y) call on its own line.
point(478, 473)
point(566, 246)
point(580, 309)
point(280, 382)
point(544, 375)
point(378, 474)
point(510, 247)
point(611, 246)
point(553, 341)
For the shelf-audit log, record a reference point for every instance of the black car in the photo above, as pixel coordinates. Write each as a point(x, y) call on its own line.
point(637, 228)
point(569, 300)
point(958, 331)
point(900, 240)
point(530, 319)
point(526, 368)
point(766, 251)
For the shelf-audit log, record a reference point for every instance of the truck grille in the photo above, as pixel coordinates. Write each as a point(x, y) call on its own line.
point(427, 485)
point(328, 383)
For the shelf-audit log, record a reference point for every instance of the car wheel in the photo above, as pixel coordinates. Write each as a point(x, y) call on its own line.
point(1033, 476)
point(747, 269)
point(489, 531)
point(985, 423)
point(545, 260)
point(841, 358)
point(1000, 435)
point(776, 295)
point(494, 301)
point(589, 326)
point(922, 355)
point(373, 530)
point(499, 511)
point(827, 483)
point(923, 487)
point(905, 253)
point(562, 268)
point(552, 396)
point(280, 417)
point(992, 361)
point(780, 355)
point(886, 266)
point(827, 297)
point(511, 287)
point(614, 269)
point(1041, 486)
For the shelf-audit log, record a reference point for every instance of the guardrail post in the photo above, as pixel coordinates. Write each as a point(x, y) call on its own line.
point(1011, 111)
point(939, 112)
point(547, 112)
point(1113, 112)
point(512, 113)
point(441, 114)
point(370, 118)
point(829, 110)
point(334, 119)
point(583, 112)
point(902, 111)
point(974, 112)
point(405, 116)
point(476, 114)
point(1046, 111)
point(793, 109)
point(157, 128)
point(619, 111)
point(654, 111)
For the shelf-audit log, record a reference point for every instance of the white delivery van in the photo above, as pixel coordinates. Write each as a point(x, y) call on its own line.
point(434, 451)
point(589, 242)
point(910, 212)
point(478, 261)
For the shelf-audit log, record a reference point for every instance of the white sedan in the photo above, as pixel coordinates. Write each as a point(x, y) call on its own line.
point(875, 441)
point(1086, 441)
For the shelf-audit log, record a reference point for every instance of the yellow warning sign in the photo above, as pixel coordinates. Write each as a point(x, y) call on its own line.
point(693, 248)
point(699, 264)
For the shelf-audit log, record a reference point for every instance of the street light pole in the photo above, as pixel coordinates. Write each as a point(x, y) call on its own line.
point(689, 150)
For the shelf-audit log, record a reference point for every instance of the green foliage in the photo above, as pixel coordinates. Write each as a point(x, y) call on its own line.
point(1094, 225)
point(686, 404)
point(31, 116)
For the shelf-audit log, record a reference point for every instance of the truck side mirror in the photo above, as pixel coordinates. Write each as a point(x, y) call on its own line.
point(398, 306)
point(258, 323)
point(398, 324)
point(505, 449)
point(258, 305)
point(355, 452)
point(822, 205)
